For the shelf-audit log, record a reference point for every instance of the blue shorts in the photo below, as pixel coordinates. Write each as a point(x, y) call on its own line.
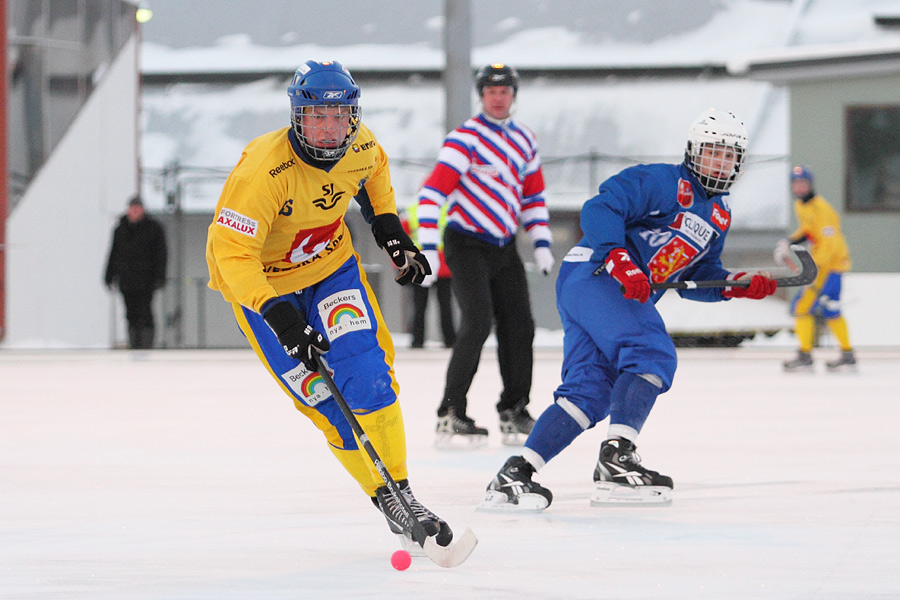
point(606, 335)
point(361, 356)
point(823, 302)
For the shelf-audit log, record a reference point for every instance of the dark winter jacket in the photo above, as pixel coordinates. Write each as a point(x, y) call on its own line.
point(137, 259)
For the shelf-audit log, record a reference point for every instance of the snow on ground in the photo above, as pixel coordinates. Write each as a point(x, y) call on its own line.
point(178, 474)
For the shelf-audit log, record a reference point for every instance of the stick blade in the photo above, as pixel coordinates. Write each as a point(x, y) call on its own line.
point(453, 555)
point(808, 269)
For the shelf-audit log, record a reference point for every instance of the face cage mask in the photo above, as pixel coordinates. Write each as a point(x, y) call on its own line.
point(330, 154)
point(713, 184)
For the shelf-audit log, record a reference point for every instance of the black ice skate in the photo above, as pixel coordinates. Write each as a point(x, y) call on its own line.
point(845, 362)
point(393, 513)
point(803, 362)
point(515, 424)
point(459, 432)
point(513, 490)
point(621, 479)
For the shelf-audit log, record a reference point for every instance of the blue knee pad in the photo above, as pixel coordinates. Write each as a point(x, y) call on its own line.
point(552, 432)
point(631, 401)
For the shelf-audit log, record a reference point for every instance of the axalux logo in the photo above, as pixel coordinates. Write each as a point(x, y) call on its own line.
point(333, 95)
point(238, 222)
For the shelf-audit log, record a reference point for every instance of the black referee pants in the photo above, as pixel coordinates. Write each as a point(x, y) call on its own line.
point(490, 287)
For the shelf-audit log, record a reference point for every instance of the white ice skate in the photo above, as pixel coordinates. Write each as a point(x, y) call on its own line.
point(608, 493)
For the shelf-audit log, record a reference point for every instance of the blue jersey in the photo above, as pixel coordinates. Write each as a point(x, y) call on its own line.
point(662, 215)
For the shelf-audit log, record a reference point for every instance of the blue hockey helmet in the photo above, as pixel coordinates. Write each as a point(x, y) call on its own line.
point(801, 172)
point(324, 84)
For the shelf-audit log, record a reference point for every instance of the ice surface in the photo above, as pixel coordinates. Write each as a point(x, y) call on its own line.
point(170, 474)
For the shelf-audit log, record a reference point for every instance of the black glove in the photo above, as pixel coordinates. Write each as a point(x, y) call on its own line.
point(297, 337)
point(390, 236)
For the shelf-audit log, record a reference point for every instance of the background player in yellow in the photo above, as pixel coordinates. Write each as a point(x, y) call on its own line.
point(280, 252)
point(820, 226)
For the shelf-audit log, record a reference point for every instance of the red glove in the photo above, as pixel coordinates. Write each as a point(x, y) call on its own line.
point(635, 284)
point(761, 285)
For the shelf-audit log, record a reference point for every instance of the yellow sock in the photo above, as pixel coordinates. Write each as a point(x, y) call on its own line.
point(838, 327)
point(355, 464)
point(805, 327)
point(385, 430)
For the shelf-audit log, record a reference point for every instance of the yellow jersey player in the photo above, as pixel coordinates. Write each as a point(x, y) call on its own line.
point(820, 227)
point(280, 252)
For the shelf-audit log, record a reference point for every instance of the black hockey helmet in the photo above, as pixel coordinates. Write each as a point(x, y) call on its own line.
point(497, 74)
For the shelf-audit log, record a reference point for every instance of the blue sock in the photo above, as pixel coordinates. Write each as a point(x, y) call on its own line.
point(552, 432)
point(631, 400)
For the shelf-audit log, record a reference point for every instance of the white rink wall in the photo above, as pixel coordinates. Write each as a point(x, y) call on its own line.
point(58, 236)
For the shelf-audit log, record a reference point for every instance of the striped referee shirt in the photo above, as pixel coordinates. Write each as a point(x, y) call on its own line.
point(490, 173)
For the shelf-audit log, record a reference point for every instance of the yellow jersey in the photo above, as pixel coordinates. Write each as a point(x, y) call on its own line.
point(279, 223)
point(821, 226)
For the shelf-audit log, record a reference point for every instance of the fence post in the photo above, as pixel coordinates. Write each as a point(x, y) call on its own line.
point(593, 159)
point(201, 312)
point(173, 189)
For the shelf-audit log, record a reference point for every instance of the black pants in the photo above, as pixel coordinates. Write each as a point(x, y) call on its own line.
point(490, 286)
point(444, 290)
point(139, 314)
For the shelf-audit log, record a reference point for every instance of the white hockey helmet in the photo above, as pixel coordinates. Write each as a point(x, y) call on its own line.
point(718, 129)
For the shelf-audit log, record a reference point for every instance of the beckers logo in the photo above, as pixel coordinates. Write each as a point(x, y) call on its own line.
point(720, 218)
point(685, 194)
point(307, 384)
point(344, 312)
point(238, 222)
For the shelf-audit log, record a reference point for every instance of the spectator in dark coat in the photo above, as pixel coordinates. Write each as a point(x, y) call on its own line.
point(137, 266)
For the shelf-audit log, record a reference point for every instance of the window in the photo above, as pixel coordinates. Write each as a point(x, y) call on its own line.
point(873, 158)
point(58, 50)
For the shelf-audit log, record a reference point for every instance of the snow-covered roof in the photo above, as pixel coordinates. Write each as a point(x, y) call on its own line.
point(851, 59)
point(279, 34)
point(619, 120)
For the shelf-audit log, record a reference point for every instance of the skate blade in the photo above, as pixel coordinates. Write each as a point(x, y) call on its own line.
point(410, 546)
point(495, 501)
point(512, 438)
point(453, 554)
point(803, 369)
point(454, 441)
point(842, 369)
point(614, 494)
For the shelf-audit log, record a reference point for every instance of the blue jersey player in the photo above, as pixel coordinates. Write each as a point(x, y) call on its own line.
point(649, 223)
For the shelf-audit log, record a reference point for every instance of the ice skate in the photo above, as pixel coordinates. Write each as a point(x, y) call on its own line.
point(802, 363)
point(622, 481)
point(513, 490)
point(846, 362)
point(393, 513)
point(515, 425)
point(459, 433)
